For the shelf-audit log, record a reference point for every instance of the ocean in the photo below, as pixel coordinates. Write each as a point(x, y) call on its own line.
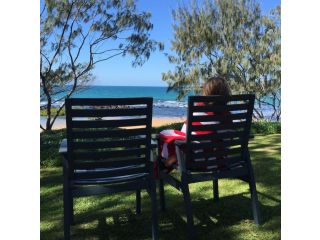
point(164, 103)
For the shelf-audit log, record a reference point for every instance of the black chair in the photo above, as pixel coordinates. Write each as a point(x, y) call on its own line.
point(107, 150)
point(216, 147)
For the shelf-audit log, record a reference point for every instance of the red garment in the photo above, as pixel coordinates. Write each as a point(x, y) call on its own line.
point(167, 137)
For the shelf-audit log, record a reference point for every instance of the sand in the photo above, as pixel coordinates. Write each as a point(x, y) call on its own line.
point(156, 122)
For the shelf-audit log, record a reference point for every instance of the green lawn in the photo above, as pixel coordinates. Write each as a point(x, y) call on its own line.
point(113, 217)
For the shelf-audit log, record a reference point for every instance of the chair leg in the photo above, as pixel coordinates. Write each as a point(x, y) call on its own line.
point(187, 202)
point(67, 213)
point(254, 201)
point(153, 195)
point(71, 210)
point(162, 197)
point(138, 201)
point(215, 190)
point(253, 192)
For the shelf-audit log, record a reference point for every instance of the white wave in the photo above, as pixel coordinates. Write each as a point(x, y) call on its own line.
point(55, 105)
point(170, 104)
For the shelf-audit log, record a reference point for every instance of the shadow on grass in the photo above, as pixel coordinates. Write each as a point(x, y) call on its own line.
point(214, 220)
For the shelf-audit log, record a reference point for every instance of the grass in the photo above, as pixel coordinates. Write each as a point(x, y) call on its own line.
point(113, 217)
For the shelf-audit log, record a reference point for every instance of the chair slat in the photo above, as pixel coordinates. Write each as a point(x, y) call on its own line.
point(107, 155)
point(109, 144)
point(209, 118)
point(220, 108)
point(215, 127)
point(212, 144)
point(108, 112)
point(238, 97)
point(109, 123)
point(131, 183)
point(218, 163)
point(116, 172)
point(108, 101)
point(219, 136)
point(109, 164)
point(110, 133)
point(216, 153)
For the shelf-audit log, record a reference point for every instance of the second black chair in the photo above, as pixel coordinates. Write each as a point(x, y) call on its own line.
point(216, 147)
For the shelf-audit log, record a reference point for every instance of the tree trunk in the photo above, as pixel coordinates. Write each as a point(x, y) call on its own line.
point(48, 123)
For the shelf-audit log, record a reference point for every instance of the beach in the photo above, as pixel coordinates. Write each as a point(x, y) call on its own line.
point(157, 122)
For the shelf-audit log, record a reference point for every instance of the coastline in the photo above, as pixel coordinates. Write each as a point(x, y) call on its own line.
point(156, 122)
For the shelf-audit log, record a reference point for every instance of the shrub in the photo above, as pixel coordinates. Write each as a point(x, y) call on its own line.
point(265, 127)
point(43, 112)
point(49, 147)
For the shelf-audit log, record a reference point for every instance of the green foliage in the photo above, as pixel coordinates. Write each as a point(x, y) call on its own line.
point(231, 38)
point(54, 111)
point(49, 147)
point(265, 127)
point(77, 35)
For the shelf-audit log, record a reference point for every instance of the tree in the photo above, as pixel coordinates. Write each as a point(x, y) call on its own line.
point(231, 38)
point(78, 34)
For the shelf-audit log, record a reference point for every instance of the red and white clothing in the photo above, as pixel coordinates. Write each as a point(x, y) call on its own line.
point(167, 137)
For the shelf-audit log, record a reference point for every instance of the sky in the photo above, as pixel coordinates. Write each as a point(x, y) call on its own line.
point(119, 72)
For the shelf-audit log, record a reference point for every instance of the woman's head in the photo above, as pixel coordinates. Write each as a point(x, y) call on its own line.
point(216, 86)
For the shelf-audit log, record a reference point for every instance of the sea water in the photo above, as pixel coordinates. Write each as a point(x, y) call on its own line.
point(165, 104)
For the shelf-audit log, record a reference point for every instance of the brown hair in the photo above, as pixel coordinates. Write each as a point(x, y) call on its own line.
point(216, 86)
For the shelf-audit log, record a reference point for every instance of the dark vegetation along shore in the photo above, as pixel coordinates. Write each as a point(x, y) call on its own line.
point(113, 216)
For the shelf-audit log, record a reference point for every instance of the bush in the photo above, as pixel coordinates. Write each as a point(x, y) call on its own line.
point(43, 112)
point(265, 127)
point(49, 147)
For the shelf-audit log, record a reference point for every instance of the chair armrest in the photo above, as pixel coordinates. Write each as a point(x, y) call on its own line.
point(63, 150)
point(154, 144)
point(180, 143)
point(63, 146)
point(155, 136)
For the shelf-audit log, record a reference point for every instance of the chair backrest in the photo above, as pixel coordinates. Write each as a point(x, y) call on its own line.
point(111, 136)
point(218, 130)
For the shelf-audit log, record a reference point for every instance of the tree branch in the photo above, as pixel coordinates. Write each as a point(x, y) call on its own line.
point(44, 7)
point(108, 50)
point(61, 38)
point(104, 59)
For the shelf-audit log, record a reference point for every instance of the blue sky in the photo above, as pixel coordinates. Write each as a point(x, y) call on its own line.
point(119, 72)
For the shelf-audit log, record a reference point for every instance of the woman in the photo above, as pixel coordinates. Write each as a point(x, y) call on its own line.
point(214, 86)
